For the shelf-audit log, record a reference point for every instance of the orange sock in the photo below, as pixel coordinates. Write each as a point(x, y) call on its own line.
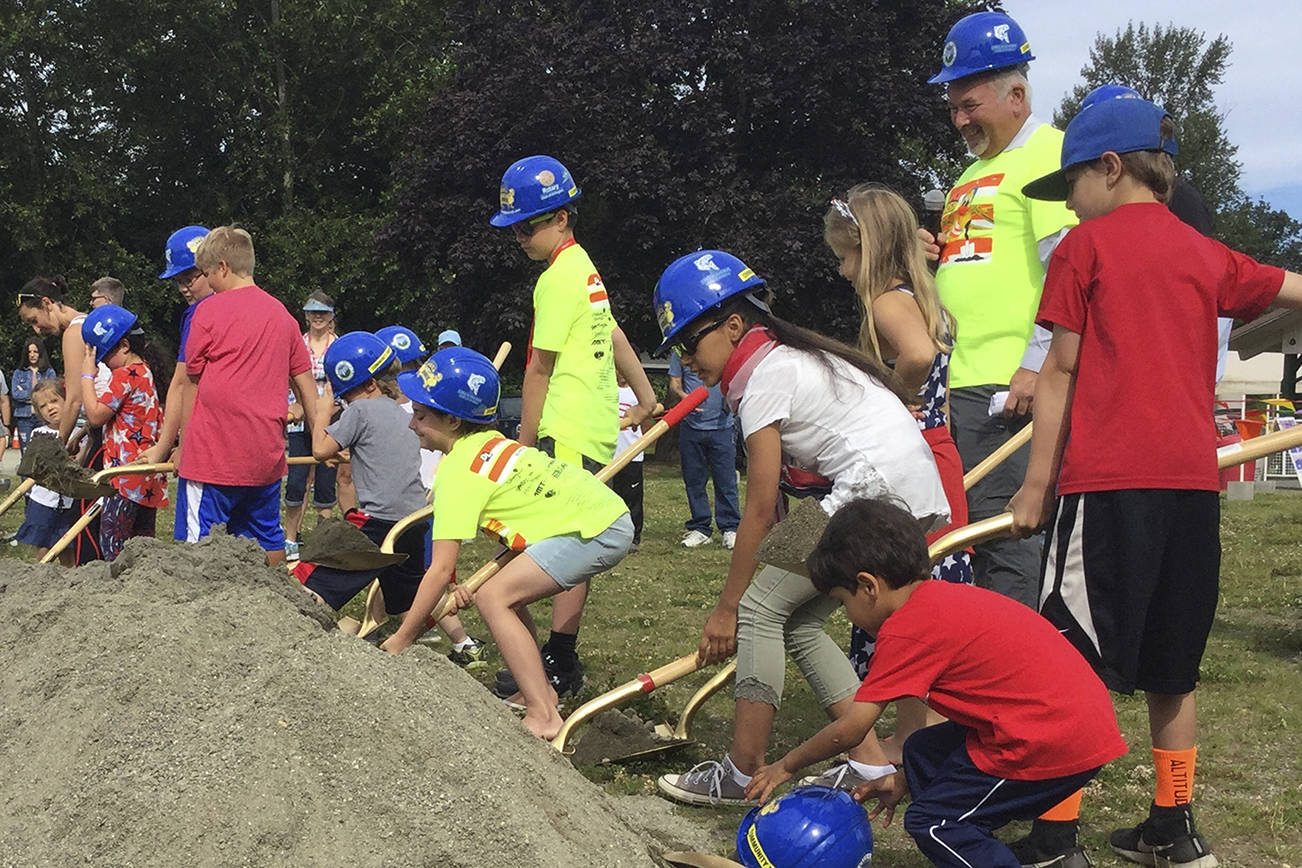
point(1066, 811)
point(1175, 776)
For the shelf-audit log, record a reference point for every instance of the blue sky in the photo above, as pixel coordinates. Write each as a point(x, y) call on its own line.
point(1260, 95)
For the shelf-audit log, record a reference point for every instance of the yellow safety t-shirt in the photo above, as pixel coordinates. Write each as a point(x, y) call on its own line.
point(572, 318)
point(517, 493)
point(990, 273)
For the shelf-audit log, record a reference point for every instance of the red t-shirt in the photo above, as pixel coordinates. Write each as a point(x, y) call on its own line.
point(1033, 707)
point(244, 347)
point(1143, 291)
point(132, 397)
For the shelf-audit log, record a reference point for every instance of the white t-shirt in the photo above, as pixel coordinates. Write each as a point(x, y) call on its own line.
point(848, 428)
point(429, 458)
point(627, 436)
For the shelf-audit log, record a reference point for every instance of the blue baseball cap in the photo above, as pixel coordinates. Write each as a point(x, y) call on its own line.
point(1118, 125)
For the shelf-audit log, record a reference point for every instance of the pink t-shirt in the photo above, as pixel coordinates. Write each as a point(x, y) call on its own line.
point(244, 347)
point(1143, 290)
point(1033, 708)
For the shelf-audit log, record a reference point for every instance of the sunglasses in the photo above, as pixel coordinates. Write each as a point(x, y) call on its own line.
point(23, 296)
point(526, 228)
point(687, 346)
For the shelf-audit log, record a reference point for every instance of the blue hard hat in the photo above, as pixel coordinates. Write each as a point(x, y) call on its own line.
point(1117, 125)
point(105, 326)
point(533, 186)
point(1108, 91)
point(696, 283)
point(807, 827)
point(456, 381)
point(178, 253)
point(406, 345)
point(354, 358)
point(981, 42)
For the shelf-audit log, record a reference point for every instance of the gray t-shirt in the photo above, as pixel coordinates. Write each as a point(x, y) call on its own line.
point(385, 457)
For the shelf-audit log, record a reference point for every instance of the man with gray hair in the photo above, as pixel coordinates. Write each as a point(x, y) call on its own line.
point(994, 248)
point(106, 290)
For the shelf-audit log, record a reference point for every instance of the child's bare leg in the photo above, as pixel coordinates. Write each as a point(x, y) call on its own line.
point(869, 751)
point(451, 625)
point(1172, 720)
point(293, 522)
point(518, 584)
point(752, 724)
point(911, 715)
point(67, 557)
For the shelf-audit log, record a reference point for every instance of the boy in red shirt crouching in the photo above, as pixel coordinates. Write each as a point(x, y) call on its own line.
point(1029, 721)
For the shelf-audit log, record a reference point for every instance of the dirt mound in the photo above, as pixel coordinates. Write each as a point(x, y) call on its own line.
point(616, 733)
point(188, 705)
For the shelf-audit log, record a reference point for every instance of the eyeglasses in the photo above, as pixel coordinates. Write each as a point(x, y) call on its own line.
point(185, 283)
point(98, 299)
point(526, 228)
point(687, 346)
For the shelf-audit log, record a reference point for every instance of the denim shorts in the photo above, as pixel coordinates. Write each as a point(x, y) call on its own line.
point(572, 560)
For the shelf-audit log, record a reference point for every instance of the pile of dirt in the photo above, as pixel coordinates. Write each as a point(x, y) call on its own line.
point(188, 705)
point(47, 461)
point(339, 544)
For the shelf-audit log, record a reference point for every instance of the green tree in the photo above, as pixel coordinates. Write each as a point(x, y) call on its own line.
point(1177, 68)
point(1263, 232)
point(686, 126)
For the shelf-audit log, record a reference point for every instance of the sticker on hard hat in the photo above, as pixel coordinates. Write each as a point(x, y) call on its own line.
point(507, 198)
point(474, 381)
point(752, 841)
point(746, 274)
point(401, 341)
point(100, 330)
point(950, 54)
point(546, 177)
point(193, 244)
point(344, 370)
point(382, 362)
point(429, 374)
point(705, 263)
point(666, 316)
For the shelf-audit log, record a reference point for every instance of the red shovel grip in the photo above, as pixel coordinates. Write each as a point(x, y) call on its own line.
point(695, 399)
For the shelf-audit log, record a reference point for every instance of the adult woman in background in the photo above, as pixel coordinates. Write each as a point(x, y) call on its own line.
point(319, 312)
point(33, 366)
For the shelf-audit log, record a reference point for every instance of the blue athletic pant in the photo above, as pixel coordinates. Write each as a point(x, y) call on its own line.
point(956, 807)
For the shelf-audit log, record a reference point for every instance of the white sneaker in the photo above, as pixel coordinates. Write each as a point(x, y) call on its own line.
point(729, 538)
point(695, 538)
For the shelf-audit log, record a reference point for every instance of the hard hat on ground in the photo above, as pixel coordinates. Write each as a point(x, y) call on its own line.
point(807, 827)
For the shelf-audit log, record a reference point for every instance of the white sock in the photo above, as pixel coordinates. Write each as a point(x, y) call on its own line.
point(462, 646)
point(870, 773)
point(739, 778)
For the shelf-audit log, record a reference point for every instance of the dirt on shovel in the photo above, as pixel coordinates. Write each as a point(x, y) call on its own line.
point(614, 734)
point(339, 544)
point(47, 461)
point(790, 542)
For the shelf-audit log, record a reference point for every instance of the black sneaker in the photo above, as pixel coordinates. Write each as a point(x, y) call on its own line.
point(1141, 845)
point(563, 680)
point(1032, 854)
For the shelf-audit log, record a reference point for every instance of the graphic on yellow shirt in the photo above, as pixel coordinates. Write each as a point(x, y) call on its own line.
point(967, 224)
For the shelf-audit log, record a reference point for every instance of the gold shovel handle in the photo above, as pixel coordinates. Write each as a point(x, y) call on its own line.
point(644, 683)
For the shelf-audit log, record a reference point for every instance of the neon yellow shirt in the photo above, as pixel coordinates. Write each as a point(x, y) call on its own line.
point(990, 274)
point(517, 493)
point(572, 318)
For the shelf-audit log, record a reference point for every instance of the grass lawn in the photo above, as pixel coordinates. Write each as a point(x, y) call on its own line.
point(650, 609)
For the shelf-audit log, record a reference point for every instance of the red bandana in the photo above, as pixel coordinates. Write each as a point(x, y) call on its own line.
point(755, 345)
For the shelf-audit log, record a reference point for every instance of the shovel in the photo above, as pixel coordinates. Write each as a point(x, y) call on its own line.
point(23, 487)
point(97, 507)
point(956, 540)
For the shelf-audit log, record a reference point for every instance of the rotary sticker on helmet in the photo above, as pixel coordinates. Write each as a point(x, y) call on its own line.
point(950, 54)
point(429, 375)
point(344, 370)
point(546, 177)
point(401, 341)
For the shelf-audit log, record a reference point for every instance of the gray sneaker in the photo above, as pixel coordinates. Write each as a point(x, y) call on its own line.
point(841, 776)
point(707, 783)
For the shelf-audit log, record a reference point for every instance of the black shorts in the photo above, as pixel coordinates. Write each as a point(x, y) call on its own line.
point(1131, 579)
point(398, 582)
